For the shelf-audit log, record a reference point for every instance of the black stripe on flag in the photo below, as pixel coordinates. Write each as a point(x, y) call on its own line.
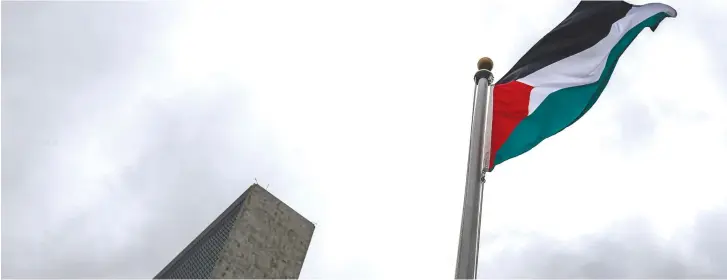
point(589, 23)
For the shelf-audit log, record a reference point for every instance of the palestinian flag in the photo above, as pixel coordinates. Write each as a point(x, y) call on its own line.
point(562, 76)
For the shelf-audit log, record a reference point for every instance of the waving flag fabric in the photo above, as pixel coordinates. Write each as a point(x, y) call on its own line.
point(563, 74)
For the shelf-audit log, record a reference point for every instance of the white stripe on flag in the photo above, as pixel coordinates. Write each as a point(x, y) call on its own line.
point(586, 67)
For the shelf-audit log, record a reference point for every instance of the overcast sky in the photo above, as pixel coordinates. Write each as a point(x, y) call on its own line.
point(127, 127)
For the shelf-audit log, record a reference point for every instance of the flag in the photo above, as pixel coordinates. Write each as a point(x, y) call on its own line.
point(563, 74)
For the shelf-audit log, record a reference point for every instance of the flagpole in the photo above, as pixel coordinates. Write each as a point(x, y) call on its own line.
point(477, 165)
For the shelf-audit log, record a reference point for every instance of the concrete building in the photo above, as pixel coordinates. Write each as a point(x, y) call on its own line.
point(258, 236)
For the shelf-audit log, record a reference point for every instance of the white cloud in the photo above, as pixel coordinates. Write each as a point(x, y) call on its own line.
point(355, 114)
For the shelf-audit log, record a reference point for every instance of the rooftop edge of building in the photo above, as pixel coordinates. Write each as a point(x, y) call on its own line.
point(263, 190)
point(233, 206)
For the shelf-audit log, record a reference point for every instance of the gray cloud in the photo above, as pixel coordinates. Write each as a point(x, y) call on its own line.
point(709, 19)
point(637, 125)
point(52, 54)
point(67, 67)
point(629, 249)
point(66, 71)
point(187, 169)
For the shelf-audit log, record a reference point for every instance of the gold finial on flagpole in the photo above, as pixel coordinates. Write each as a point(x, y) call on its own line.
point(484, 63)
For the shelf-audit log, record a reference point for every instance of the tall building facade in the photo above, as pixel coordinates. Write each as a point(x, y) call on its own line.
point(258, 236)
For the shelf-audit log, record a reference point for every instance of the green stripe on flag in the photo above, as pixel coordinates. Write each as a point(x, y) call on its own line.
point(564, 107)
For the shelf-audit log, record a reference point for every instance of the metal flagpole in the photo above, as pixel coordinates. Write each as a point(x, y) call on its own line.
point(477, 166)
